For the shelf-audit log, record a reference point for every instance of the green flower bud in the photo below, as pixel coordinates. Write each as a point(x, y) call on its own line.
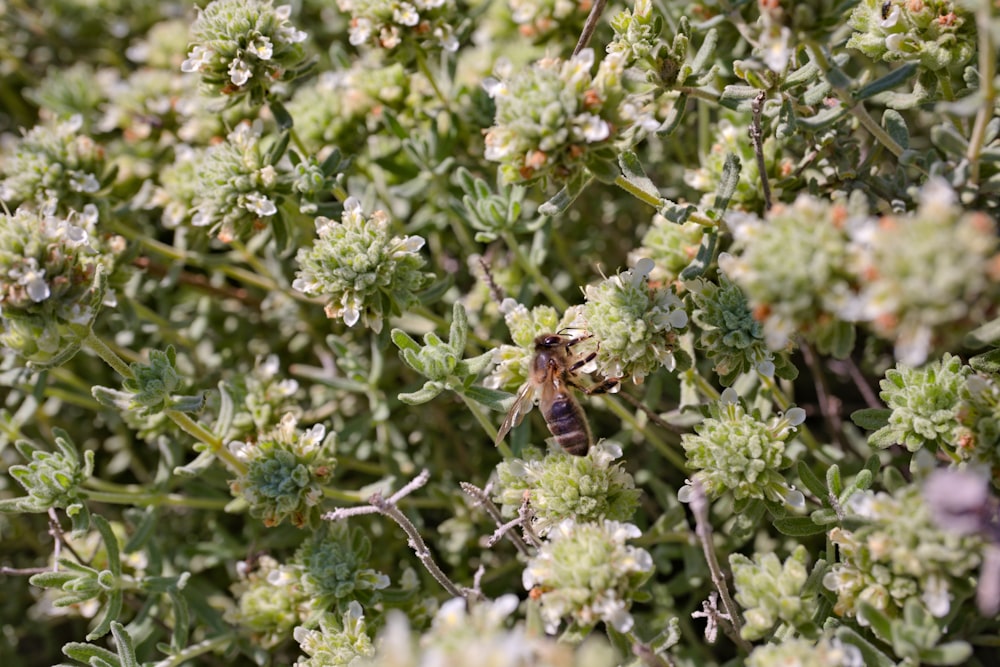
point(671, 246)
point(562, 486)
point(366, 273)
point(924, 404)
point(52, 479)
point(772, 592)
point(333, 560)
point(586, 573)
point(805, 653)
point(286, 470)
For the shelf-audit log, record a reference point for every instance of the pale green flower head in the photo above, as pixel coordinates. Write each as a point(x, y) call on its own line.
point(937, 34)
point(979, 416)
point(333, 563)
point(53, 165)
point(242, 47)
point(404, 27)
point(562, 486)
point(270, 602)
point(238, 188)
point(736, 451)
point(363, 271)
point(585, 573)
point(805, 653)
point(332, 643)
point(929, 277)
point(925, 405)
point(771, 592)
point(888, 561)
point(554, 119)
point(730, 138)
point(51, 288)
point(634, 323)
point(285, 472)
point(795, 271)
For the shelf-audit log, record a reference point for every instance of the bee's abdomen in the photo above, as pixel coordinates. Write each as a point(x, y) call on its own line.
point(568, 424)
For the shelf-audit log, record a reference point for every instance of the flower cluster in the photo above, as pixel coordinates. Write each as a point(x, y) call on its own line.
point(261, 395)
point(585, 573)
point(554, 118)
point(53, 165)
point(285, 472)
point(364, 272)
point(937, 34)
point(333, 563)
point(728, 332)
point(417, 25)
point(794, 271)
point(50, 286)
point(235, 185)
point(926, 278)
point(736, 451)
point(887, 562)
point(465, 633)
point(771, 592)
point(979, 415)
point(270, 602)
point(330, 644)
point(242, 47)
point(802, 652)
point(635, 323)
point(924, 403)
point(562, 486)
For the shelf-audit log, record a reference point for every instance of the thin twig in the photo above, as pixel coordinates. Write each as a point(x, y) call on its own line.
point(829, 405)
point(387, 507)
point(871, 400)
point(703, 529)
point(590, 25)
point(757, 138)
point(483, 500)
point(526, 514)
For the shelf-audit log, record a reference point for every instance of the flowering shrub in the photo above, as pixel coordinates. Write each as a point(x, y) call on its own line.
point(298, 302)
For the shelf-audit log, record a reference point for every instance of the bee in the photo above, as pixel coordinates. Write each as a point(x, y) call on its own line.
point(551, 383)
point(886, 7)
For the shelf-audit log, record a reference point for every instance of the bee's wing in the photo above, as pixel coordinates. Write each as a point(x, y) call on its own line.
point(523, 403)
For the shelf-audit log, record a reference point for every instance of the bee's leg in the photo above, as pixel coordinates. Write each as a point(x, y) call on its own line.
point(581, 362)
point(603, 387)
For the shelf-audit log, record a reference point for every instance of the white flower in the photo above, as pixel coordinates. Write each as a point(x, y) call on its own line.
point(199, 58)
point(239, 71)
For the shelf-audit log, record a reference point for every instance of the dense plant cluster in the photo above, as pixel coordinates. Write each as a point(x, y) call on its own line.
point(280, 285)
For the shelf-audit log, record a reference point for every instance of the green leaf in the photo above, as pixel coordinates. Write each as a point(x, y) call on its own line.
point(984, 335)
point(895, 126)
point(798, 526)
point(429, 391)
point(811, 481)
point(565, 197)
point(834, 483)
point(705, 256)
point(87, 653)
point(727, 183)
point(110, 544)
point(878, 621)
point(111, 609)
point(633, 172)
point(281, 115)
point(988, 362)
point(871, 419)
point(890, 80)
point(126, 646)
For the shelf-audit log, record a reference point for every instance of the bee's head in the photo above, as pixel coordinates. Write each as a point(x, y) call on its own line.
point(548, 341)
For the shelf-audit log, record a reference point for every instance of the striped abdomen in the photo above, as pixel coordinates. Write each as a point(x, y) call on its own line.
point(568, 424)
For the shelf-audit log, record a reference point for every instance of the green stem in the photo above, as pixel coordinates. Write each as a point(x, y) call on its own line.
point(101, 349)
point(487, 425)
point(426, 71)
point(352, 497)
point(638, 193)
point(702, 385)
point(988, 91)
point(528, 267)
point(156, 500)
point(203, 435)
